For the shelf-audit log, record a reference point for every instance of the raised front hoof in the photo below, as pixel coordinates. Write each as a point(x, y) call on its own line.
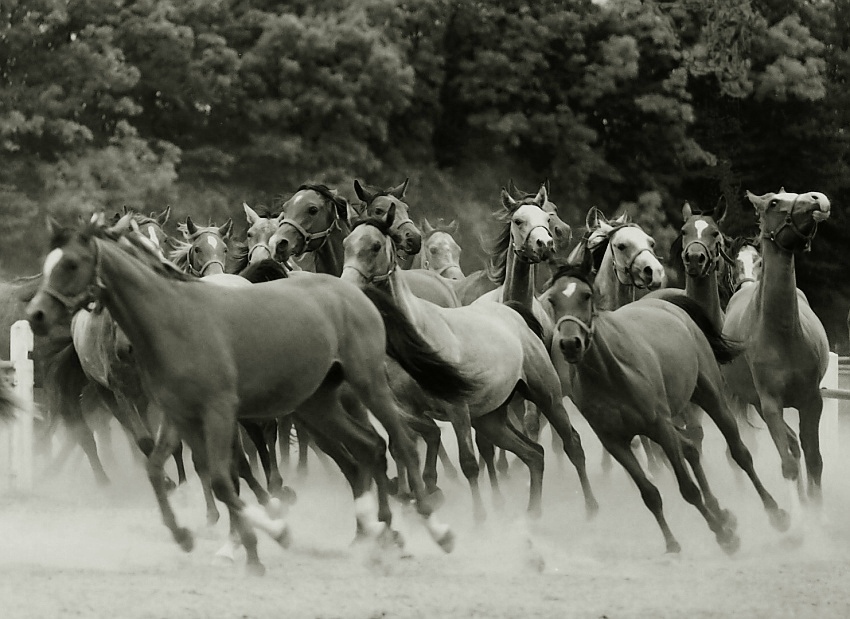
point(255, 569)
point(184, 539)
point(286, 495)
point(780, 519)
point(729, 542)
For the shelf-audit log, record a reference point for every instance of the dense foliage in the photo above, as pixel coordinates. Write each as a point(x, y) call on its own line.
point(204, 104)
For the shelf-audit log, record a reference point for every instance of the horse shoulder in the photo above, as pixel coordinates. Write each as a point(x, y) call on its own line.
point(430, 286)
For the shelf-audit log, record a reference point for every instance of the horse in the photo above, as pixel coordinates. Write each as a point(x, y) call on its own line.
point(490, 341)
point(440, 252)
point(282, 345)
point(747, 263)
point(632, 370)
point(785, 345)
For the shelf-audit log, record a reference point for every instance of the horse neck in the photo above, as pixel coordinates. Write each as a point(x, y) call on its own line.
point(331, 255)
point(704, 291)
point(777, 295)
point(135, 296)
point(409, 303)
point(612, 293)
point(519, 280)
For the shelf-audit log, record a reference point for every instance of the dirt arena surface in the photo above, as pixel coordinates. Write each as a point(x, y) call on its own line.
point(71, 549)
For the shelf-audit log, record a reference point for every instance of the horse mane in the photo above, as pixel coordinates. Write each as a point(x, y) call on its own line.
point(237, 258)
point(180, 254)
point(499, 245)
point(377, 222)
point(575, 271)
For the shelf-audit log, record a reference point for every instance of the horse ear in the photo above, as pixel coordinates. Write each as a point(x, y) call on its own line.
point(756, 201)
point(720, 209)
point(191, 228)
point(125, 208)
point(226, 229)
point(452, 227)
point(364, 195)
point(341, 206)
point(354, 213)
point(164, 215)
point(124, 223)
point(542, 196)
point(53, 226)
point(687, 211)
point(782, 190)
point(390, 215)
point(398, 192)
point(546, 185)
point(513, 189)
point(508, 202)
point(595, 219)
point(250, 214)
point(427, 228)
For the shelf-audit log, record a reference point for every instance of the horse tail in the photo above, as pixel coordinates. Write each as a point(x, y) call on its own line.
point(417, 357)
point(724, 349)
point(65, 380)
point(529, 318)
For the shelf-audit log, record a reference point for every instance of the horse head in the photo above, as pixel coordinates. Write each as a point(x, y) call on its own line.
point(570, 300)
point(440, 252)
point(702, 244)
point(790, 220)
point(377, 204)
point(306, 221)
point(370, 251)
point(204, 251)
point(531, 236)
point(561, 231)
point(261, 226)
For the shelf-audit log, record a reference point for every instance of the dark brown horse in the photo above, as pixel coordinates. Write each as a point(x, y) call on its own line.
point(632, 370)
point(785, 345)
point(283, 345)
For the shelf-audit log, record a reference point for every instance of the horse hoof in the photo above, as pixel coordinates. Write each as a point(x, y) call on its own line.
point(184, 539)
point(780, 519)
point(284, 538)
point(730, 543)
point(447, 541)
point(591, 508)
point(392, 486)
point(212, 518)
point(436, 498)
point(730, 521)
point(287, 495)
point(535, 513)
point(673, 547)
point(390, 538)
point(255, 569)
point(274, 508)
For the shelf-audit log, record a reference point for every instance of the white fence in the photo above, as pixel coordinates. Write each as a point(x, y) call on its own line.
point(16, 438)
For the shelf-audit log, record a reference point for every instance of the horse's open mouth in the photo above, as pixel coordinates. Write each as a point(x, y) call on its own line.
point(820, 216)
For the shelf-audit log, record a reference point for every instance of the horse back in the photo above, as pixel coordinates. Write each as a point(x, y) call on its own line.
point(473, 286)
point(431, 287)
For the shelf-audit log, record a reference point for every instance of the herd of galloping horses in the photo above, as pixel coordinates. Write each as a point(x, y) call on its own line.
point(314, 320)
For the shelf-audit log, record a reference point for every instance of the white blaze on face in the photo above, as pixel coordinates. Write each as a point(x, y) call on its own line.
point(51, 261)
point(212, 241)
point(570, 289)
point(152, 235)
point(700, 226)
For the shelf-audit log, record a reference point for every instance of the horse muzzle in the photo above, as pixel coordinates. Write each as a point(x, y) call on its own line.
point(42, 313)
point(572, 348)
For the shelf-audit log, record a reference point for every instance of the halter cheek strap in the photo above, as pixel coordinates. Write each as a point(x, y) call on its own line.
point(199, 272)
point(381, 277)
point(522, 250)
point(619, 271)
point(309, 237)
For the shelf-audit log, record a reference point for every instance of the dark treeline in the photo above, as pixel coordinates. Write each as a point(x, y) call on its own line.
point(204, 104)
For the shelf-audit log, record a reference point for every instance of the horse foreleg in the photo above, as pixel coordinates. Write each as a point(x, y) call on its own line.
point(270, 439)
point(810, 415)
point(459, 417)
point(488, 453)
point(448, 466)
point(164, 447)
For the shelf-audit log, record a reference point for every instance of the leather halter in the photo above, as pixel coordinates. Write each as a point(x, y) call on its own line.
point(773, 235)
point(309, 237)
point(587, 329)
point(86, 297)
point(260, 245)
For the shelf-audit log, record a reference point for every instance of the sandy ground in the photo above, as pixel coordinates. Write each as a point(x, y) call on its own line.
point(72, 549)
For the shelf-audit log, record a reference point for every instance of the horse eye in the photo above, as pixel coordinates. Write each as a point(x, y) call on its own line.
point(313, 210)
point(774, 202)
point(433, 250)
point(72, 266)
point(621, 246)
point(379, 211)
point(376, 247)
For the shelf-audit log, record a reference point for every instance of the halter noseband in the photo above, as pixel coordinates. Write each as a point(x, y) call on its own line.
point(259, 245)
point(89, 295)
point(587, 329)
point(789, 222)
point(309, 237)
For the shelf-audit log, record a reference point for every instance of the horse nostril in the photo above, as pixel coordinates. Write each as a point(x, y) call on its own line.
point(36, 316)
point(647, 271)
point(701, 258)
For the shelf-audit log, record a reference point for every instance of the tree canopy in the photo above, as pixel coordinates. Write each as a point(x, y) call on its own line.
point(204, 104)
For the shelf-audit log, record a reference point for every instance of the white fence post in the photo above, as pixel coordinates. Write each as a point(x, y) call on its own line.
point(829, 442)
point(21, 464)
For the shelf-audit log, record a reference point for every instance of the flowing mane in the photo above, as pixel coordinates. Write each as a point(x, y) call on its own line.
point(499, 245)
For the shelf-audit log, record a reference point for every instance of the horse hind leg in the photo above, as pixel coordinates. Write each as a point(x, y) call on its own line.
point(666, 435)
point(620, 450)
point(488, 453)
point(710, 398)
point(495, 428)
point(810, 415)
